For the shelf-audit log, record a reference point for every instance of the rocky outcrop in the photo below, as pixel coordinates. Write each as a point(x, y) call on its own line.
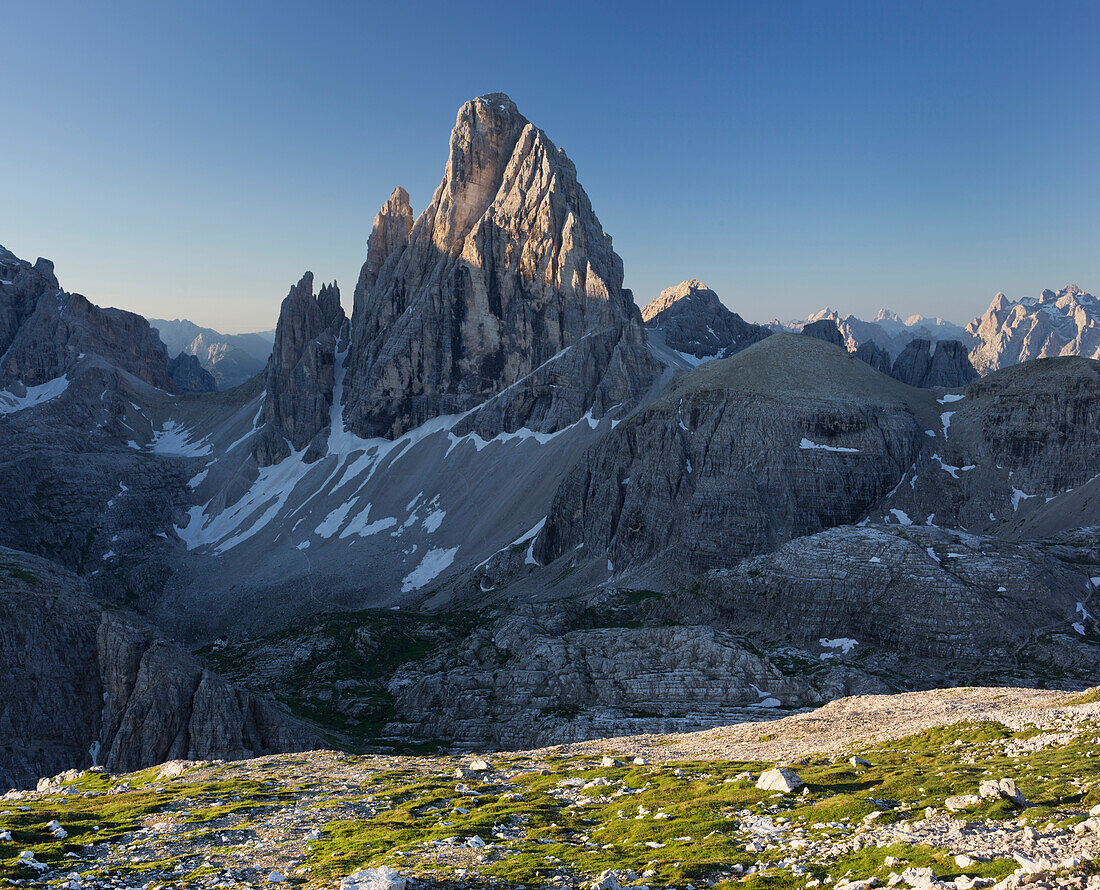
point(875, 356)
point(300, 374)
point(695, 322)
point(188, 375)
point(947, 367)
point(1006, 444)
point(85, 686)
point(540, 677)
point(784, 439)
point(1062, 322)
point(950, 601)
point(21, 287)
point(824, 329)
point(65, 328)
point(506, 286)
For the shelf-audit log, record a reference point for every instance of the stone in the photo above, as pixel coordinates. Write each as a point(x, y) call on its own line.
point(860, 763)
point(480, 766)
point(607, 762)
point(778, 779)
point(1008, 790)
point(384, 878)
point(961, 802)
point(188, 375)
point(607, 880)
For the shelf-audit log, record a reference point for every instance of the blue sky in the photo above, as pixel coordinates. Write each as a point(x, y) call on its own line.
point(193, 159)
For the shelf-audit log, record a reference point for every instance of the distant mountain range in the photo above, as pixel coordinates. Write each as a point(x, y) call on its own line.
point(888, 330)
point(230, 358)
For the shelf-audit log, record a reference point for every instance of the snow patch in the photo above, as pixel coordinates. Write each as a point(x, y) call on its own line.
point(435, 561)
point(901, 516)
point(35, 395)
point(807, 445)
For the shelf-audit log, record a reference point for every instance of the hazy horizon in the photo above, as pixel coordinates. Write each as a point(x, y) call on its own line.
point(193, 162)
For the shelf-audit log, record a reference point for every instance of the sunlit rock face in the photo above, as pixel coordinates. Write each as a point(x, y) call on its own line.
point(505, 286)
point(1062, 322)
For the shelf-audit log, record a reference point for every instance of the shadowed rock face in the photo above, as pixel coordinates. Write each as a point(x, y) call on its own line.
point(784, 439)
point(507, 282)
point(824, 329)
point(190, 376)
point(65, 327)
point(947, 367)
point(21, 286)
point(877, 357)
point(695, 322)
point(301, 373)
point(85, 685)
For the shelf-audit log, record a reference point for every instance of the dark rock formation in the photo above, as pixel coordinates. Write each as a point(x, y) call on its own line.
point(824, 329)
point(784, 439)
point(301, 374)
point(66, 327)
point(507, 282)
point(1004, 445)
point(84, 686)
point(694, 321)
point(948, 367)
point(877, 357)
point(190, 376)
point(21, 287)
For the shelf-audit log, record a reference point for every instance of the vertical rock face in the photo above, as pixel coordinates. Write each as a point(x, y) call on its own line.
point(21, 286)
point(824, 329)
point(694, 321)
point(301, 373)
point(190, 376)
point(949, 366)
point(506, 282)
point(877, 357)
point(65, 327)
point(85, 685)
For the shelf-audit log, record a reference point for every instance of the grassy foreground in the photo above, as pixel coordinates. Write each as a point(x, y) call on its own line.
point(545, 818)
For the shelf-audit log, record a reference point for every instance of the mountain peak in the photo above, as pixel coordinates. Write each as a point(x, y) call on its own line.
point(506, 269)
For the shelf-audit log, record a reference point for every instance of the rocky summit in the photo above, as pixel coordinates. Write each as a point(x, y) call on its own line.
point(502, 581)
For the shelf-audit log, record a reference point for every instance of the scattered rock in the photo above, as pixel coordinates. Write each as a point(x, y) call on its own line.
point(784, 780)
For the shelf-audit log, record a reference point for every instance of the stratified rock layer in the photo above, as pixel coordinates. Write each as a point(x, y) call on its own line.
point(785, 439)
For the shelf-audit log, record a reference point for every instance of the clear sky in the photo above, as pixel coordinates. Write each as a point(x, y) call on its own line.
point(194, 158)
